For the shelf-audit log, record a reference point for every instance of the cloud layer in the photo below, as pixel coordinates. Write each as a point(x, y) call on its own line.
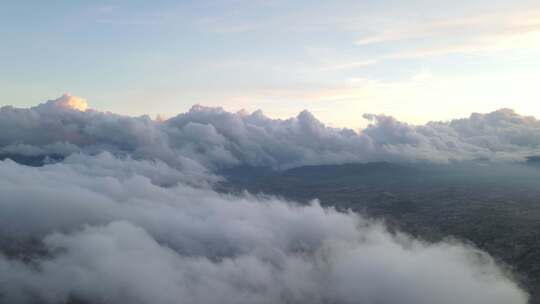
point(211, 138)
point(117, 230)
point(130, 214)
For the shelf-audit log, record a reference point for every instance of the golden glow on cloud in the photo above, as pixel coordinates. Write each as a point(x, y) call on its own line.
point(73, 102)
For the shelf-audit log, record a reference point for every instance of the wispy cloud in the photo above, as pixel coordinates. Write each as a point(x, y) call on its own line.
point(463, 35)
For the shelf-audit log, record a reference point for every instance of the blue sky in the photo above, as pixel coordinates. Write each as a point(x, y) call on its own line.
point(415, 60)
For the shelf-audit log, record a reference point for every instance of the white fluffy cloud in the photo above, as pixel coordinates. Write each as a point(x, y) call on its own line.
point(132, 231)
point(213, 138)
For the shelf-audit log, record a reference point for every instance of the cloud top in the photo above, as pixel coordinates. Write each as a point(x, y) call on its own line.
point(68, 101)
point(214, 138)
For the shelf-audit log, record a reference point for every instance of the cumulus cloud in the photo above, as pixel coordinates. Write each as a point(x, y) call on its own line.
point(120, 230)
point(212, 138)
point(122, 209)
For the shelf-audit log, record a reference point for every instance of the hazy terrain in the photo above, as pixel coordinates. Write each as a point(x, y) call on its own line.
point(496, 207)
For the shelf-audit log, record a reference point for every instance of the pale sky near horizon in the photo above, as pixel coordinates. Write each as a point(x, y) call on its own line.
point(415, 60)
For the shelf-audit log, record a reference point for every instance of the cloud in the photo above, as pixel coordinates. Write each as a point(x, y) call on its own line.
point(208, 139)
point(121, 230)
point(468, 34)
point(71, 102)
